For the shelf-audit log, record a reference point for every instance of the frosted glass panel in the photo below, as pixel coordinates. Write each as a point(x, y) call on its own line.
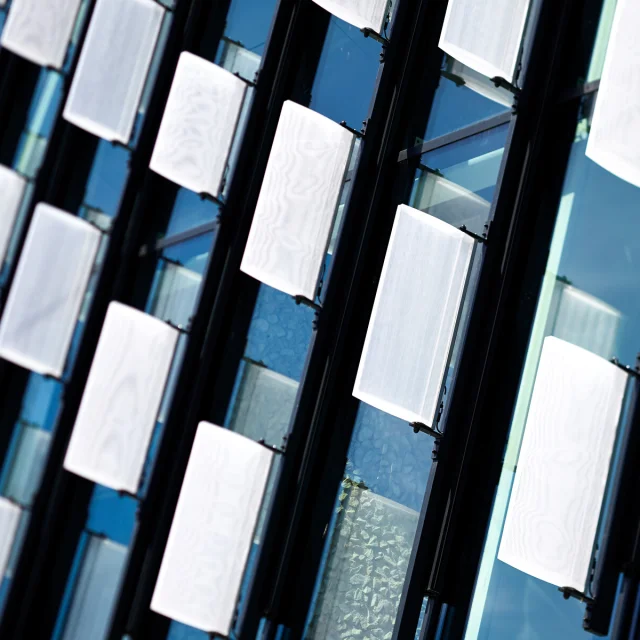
point(298, 201)
point(364, 14)
point(40, 30)
point(477, 82)
point(584, 320)
point(29, 459)
point(198, 125)
point(112, 68)
point(212, 530)
point(366, 568)
point(614, 141)
point(264, 404)
point(414, 316)
point(9, 521)
point(47, 291)
point(562, 469)
point(121, 399)
point(176, 294)
point(485, 36)
point(96, 590)
point(237, 59)
point(12, 186)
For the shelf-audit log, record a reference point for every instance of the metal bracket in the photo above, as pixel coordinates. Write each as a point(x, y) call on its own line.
point(570, 592)
point(418, 426)
point(475, 236)
point(370, 33)
point(626, 368)
point(357, 134)
point(272, 448)
point(307, 303)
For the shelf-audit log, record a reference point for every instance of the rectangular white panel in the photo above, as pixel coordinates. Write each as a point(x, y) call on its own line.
point(363, 14)
point(9, 520)
point(212, 530)
point(564, 460)
point(485, 36)
point(264, 404)
point(96, 590)
point(121, 399)
point(12, 187)
point(40, 30)
point(47, 291)
point(27, 466)
point(614, 140)
point(366, 568)
point(113, 66)
point(298, 201)
point(198, 125)
point(412, 325)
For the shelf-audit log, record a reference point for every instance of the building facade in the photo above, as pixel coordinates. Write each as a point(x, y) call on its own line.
point(376, 520)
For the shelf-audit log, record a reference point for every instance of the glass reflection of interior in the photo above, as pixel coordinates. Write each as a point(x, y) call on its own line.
point(590, 297)
point(456, 183)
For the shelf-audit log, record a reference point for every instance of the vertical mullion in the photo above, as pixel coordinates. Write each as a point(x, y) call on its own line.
point(446, 553)
point(60, 508)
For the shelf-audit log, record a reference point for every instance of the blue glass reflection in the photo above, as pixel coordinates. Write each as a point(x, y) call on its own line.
point(189, 211)
point(249, 21)
point(112, 514)
point(346, 75)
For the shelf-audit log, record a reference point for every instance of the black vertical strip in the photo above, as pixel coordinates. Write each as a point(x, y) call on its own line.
point(456, 511)
point(60, 508)
point(217, 337)
point(326, 411)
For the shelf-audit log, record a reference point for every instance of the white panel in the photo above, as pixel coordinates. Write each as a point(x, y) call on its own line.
point(198, 125)
point(9, 520)
point(298, 201)
point(264, 404)
point(121, 399)
point(113, 66)
point(414, 316)
point(364, 14)
point(47, 291)
point(614, 141)
point(40, 30)
point(212, 530)
point(96, 590)
point(366, 568)
point(485, 36)
point(562, 469)
point(12, 187)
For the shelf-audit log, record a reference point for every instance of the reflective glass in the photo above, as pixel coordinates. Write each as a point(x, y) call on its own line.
point(590, 297)
point(456, 183)
point(602, 40)
point(190, 210)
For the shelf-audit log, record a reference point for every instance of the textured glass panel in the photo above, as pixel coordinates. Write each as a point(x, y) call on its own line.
point(264, 404)
point(298, 201)
point(478, 83)
point(47, 291)
point(113, 65)
point(485, 36)
point(121, 399)
point(614, 140)
point(212, 530)
point(198, 125)
point(583, 320)
point(364, 14)
point(12, 187)
point(365, 571)
point(562, 470)
point(95, 590)
point(237, 59)
point(9, 520)
point(414, 317)
point(40, 30)
point(28, 463)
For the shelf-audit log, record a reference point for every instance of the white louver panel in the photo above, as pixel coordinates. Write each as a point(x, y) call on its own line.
point(485, 36)
point(121, 399)
point(412, 325)
point(363, 14)
point(298, 201)
point(47, 291)
point(198, 126)
point(12, 188)
point(9, 520)
point(562, 470)
point(40, 30)
point(113, 66)
point(212, 530)
point(614, 140)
